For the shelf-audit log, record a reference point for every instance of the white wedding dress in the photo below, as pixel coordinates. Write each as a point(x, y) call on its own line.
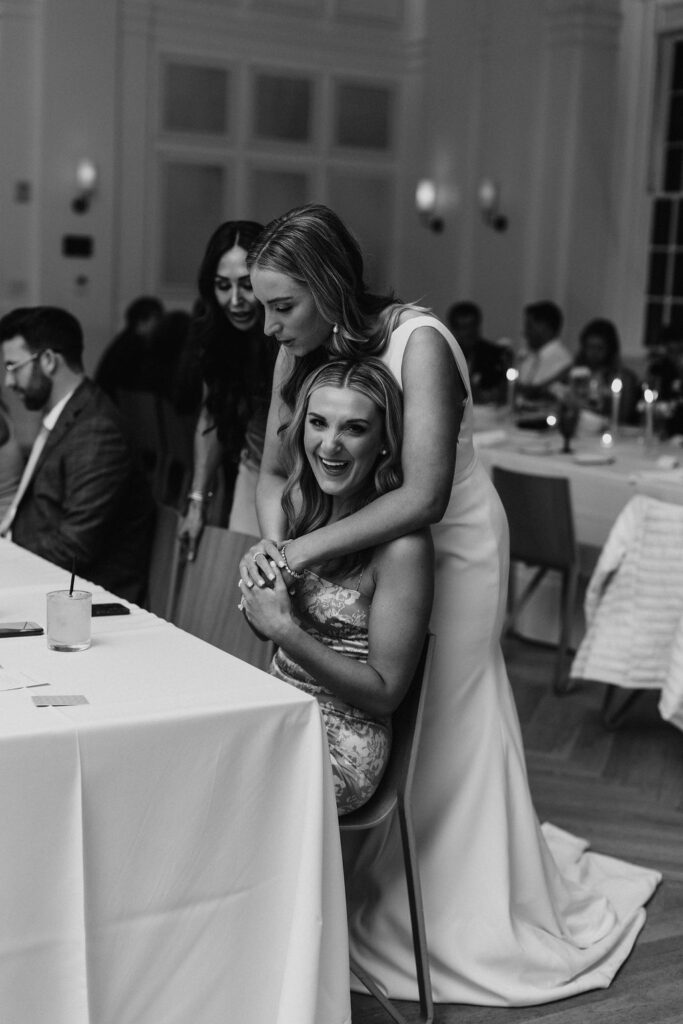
point(515, 914)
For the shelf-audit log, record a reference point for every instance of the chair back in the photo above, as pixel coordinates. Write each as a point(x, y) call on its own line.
point(163, 566)
point(540, 517)
point(406, 721)
point(209, 595)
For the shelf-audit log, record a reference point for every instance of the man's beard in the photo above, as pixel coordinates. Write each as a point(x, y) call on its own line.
point(36, 394)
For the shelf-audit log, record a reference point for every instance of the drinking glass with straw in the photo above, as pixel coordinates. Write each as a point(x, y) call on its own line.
point(68, 617)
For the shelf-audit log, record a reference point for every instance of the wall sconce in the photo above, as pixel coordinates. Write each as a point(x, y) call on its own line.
point(489, 198)
point(425, 204)
point(86, 181)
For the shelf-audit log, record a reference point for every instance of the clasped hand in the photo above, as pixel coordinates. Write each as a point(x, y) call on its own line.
point(268, 607)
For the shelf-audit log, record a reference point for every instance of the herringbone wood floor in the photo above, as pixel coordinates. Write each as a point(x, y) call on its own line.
point(623, 791)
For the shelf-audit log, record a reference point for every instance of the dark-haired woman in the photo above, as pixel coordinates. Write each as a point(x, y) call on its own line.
point(236, 363)
point(349, 631)
point(600, 353)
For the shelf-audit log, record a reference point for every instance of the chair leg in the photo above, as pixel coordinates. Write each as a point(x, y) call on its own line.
point(374, 991)
point(175, 582)
point(612, 716)
point(561, 683)
point(417, 921)
point(424, 985)
point(515, 606)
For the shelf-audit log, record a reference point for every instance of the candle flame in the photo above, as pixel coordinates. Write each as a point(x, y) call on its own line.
point(616, 385)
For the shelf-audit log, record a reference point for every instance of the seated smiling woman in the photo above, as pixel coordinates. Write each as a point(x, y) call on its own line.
point(349, 630)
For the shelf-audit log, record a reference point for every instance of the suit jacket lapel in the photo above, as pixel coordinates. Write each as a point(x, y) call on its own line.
point(70, 413)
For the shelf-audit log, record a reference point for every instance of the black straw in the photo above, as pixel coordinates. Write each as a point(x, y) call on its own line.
point(73, 577)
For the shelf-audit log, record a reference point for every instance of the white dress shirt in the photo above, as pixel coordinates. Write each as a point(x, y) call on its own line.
point(546, 364)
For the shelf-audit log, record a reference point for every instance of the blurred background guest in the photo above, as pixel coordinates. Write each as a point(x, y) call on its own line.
point(82, 499)
point(11, 460)
point(600, 352)
point(546, 359)
point(176, 371)
point(665, 364)
point(236, 362)
point(486, 361)
point(128, 362)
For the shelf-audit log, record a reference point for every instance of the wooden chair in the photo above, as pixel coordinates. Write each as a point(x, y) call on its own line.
point(541, 520)
point(394, 794)
point(164, 564)
point(208, 597)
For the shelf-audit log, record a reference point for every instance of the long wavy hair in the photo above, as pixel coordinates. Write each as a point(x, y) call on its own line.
point(311, 245)
point(305, 505)
point(607, 331)
point(236, 366)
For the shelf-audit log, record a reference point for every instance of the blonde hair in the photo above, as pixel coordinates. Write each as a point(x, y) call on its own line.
point(312, 508)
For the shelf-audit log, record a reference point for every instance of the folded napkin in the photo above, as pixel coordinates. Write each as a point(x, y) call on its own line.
point(487, 438)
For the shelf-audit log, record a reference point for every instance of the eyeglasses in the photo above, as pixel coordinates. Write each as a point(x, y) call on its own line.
point(13, 367)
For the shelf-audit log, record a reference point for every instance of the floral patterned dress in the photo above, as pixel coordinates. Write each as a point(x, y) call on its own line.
point(359, 744)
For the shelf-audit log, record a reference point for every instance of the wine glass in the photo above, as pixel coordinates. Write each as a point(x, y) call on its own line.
point(567, 421)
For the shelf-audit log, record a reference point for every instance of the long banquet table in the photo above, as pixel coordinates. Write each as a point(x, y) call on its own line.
point(169, 851)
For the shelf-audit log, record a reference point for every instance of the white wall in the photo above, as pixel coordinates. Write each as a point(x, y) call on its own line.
point(548, 97)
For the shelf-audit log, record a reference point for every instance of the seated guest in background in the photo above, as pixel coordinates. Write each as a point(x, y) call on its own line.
point(665, 364)
point(177, 371)
point(546, 360)
point(351, 636)
point(11, 460)
point(128, 362)
point(82, 499)
point(600, 352)
point(486, 362)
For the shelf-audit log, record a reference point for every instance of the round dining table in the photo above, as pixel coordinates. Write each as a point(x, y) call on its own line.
point(605, 471)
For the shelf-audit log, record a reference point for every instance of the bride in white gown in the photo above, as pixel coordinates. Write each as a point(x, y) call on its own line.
point(515, 914)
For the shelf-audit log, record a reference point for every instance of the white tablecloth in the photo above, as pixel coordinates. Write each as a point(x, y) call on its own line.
point(169, 851)
point(599, 493)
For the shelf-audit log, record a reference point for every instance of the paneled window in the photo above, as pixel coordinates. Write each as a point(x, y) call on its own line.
point(274, 191)
point(195, 99)
point(282, 107)
point(366, 204)
point(192, 204)
point(664, 303)
point(244, 140)
point(363, 116)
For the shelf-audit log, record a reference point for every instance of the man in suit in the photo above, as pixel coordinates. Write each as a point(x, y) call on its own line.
point(486, 361)
point(82, 499)
point(547, 361)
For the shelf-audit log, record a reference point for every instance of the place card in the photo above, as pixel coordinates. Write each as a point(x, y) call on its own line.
point(16, 681)
point(48, 700)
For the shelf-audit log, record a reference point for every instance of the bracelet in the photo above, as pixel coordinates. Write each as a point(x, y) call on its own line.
point(199, 497)
point(296, 574)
